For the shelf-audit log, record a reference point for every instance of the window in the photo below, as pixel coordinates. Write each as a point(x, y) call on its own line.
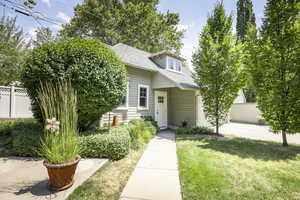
point(160, 99)
point(173, 64)
point(178, 66)
point(124, 103)
point(143, 96)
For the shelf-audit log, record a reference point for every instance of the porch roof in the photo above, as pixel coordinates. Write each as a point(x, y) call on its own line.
point(182, 80)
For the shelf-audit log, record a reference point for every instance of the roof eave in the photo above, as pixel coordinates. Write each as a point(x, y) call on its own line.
point(139, 67)
point(176, 83)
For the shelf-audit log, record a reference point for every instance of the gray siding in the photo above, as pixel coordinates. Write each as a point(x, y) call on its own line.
point(181, 106)
point(181, 103)
point(135, 77)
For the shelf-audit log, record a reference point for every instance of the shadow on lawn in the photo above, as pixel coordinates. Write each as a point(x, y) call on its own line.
point(246, 148)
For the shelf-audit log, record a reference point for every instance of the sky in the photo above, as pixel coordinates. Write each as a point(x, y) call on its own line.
point(193, 15)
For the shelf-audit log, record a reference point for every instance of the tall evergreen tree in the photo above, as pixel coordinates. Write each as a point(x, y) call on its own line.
point(218, 63)
point(136, 23)
point(274, 59)
point(245, 18)
point(12, 48)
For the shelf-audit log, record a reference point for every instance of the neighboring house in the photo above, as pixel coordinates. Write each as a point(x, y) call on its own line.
point(240, 98)
point(159, 85)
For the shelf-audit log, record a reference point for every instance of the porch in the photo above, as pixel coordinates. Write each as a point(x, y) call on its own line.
point(172, 106)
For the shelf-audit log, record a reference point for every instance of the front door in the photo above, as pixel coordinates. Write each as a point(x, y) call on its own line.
point(161, 109)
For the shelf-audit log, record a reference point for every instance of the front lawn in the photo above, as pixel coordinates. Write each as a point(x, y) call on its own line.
point(235, 168)
point(109, 181)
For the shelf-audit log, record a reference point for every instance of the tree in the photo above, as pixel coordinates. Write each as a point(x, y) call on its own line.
point(274, 56)
point(136, 23)
point(218, 64)
point(245, 19)
point(43, 35)
point(94, 70)
point(12, 50)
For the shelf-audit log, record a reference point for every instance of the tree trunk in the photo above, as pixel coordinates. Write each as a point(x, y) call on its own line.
point(217, 126)
point(284, 140)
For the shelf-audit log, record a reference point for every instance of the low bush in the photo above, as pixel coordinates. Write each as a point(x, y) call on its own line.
point(23, 139)
point(141, 132)
point(100, 143)
point(19, 137)
point(6, 127)
point(5, 138)
point(195, 130)
point(26, 142)
point(153, 122)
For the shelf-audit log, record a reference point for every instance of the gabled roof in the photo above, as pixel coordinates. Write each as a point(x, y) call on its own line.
point(134, 57)
point(143, 60)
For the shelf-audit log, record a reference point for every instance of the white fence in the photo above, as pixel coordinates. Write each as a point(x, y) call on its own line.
point(14, 103)
point(245, 112)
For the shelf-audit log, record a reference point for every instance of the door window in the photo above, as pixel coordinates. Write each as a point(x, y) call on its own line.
point(160, 99)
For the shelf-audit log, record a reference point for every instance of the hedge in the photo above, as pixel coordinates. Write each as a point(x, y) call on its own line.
point(26, 142)
point(101, 144)
point(195, 130)
point(23, 139)
point(19, 137)
point(6, 127)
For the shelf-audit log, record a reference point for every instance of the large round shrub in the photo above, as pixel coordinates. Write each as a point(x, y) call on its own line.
point(93, 68)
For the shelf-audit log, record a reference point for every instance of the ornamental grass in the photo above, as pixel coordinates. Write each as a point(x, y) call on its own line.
point(58, 102)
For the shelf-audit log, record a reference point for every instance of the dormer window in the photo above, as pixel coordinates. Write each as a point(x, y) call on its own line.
point(174, 64)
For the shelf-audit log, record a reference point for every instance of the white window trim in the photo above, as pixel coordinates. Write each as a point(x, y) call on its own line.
point(147, 102)
point(173, 70)
point(122, 107)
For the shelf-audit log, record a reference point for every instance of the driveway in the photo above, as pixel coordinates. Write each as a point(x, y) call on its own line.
point(27, 178)
point(257, 132)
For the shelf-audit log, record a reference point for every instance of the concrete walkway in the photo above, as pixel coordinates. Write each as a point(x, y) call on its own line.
point(256, 132)
point(156, 175)
point(27, 178)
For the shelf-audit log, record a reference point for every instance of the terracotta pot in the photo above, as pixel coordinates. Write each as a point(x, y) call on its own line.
point(61, 175)
point(116, 121)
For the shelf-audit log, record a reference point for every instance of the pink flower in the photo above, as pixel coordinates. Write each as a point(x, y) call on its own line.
point(52, 125)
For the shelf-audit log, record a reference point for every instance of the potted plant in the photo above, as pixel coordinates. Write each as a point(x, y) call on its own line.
point(261, 120)
point(59, 146)
point(184, 123)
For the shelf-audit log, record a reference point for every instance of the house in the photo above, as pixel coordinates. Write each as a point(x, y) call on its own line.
point(159, 85)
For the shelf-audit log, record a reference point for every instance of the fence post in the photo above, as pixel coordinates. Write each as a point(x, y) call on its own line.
point(12, 102)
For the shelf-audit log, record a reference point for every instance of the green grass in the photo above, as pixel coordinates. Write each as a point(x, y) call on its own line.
point(237, 169)
point(108, 182)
